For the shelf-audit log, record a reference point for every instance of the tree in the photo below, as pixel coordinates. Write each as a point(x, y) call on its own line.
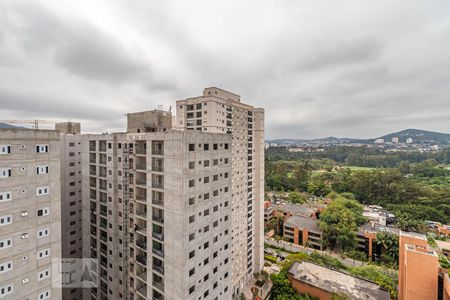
point(389, 241)
point(296, 198)
point(339, 223)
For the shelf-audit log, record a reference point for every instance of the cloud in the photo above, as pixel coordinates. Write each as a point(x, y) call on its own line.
point(328, 68)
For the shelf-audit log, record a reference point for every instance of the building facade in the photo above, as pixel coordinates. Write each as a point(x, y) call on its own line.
point(71, 196)
point(219, 111)
point(157, 210)
point(30, 213)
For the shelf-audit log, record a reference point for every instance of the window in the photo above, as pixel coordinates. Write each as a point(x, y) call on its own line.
point(5, 149)
point(206, 147)
point(44, 295)
point(41, 148)
point(41, 169)
point(6, 266)
point(191, 183)
point(6, 290)
point(191, 201)
point(191, 254)
point(43, 254)
point(5, 243)
point(206, 180)
point(191, 289)
point(191, 165)
point(5, 220)
point(5, 172)
point(225, 146)
point(43, 232)
point(191, 147)
point(43, 275)
point(43, 211)
point(206, 163)
point(206, 212)
point(191, 219)
point(43, 190)
point(191, 236)
point(5, 196)
point(191, 272)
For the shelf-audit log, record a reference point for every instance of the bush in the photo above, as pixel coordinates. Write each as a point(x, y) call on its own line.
point(270, 258)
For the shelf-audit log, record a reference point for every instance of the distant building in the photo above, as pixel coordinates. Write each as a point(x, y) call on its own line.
point(303, 231)
point(409, 140)
point(379, 141)
point(326, 284)
point(419, 272)
point(395, 140)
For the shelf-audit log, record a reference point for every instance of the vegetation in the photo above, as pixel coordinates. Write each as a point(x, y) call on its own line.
point(281, 289)
point(414, 186)
point(339, 223)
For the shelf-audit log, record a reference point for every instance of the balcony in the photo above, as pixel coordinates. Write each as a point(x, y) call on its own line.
point(141, 229)
point(141, 212)
point(158, 198)
point(158, 236)
point(142, 244)
point(157, 164)
point(142, 291)
point(159, 285)
point(157, 218)
point(142, 260)
point(91, 145)
point(159, 269)
point(158, 252)
point(142, 276)
point(140, 148)
point(157, 147)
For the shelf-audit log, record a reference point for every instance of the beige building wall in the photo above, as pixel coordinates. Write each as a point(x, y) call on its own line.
point(71, 195)
point(221, 111)
point(30, 217)
point(163, 200)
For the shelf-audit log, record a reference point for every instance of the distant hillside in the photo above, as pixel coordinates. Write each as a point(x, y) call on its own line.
point(419, 136)
point(3, 125)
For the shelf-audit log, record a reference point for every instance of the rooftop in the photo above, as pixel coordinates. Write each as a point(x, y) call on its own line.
point(375, 227)
point(337, 282)
point(296, 209)
point(302, 222)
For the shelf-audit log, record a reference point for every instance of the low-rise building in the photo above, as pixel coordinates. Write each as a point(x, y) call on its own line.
point(366, 239)
point(303, 231)
point(444, 230)
point(289, 209)
point(326, 284)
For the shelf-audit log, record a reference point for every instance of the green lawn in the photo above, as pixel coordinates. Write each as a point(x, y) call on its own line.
point(354, 168)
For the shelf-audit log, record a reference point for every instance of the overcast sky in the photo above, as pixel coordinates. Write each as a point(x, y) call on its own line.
point(319, 68)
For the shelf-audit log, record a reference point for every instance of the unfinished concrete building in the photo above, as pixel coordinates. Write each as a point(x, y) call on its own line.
point(157, 212)
point(30, 213)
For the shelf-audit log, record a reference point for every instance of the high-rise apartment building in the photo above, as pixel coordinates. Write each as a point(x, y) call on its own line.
point(219, 111)
point(30, 213)
point(157, 211)
point(71, 195)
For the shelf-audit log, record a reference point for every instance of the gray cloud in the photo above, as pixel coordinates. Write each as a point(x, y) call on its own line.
point(319, 69)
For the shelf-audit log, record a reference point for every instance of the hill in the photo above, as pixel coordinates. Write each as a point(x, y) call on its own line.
point(6, 126)
point(419, 136)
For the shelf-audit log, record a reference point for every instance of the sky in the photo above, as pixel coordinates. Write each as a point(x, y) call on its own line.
point(346, 68)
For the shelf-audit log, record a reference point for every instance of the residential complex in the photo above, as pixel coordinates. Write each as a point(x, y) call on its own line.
point(71, 196)
point(30, 213)
point(219, 111)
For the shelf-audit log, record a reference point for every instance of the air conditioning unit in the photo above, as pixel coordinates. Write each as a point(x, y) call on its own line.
point(24, 213)
point(24, 235)
point(25, 280)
